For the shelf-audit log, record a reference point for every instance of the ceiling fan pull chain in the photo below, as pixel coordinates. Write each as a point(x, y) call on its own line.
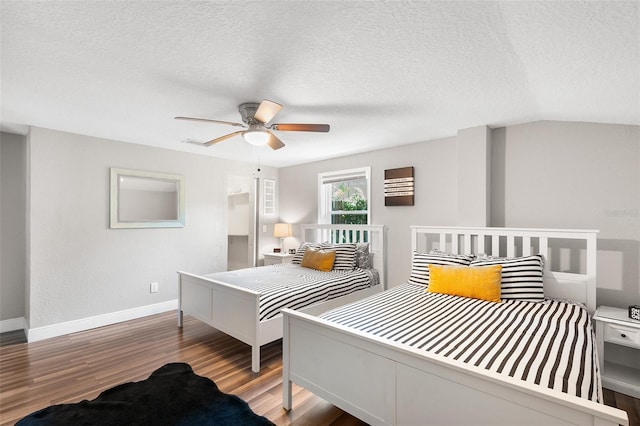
point(256, 158)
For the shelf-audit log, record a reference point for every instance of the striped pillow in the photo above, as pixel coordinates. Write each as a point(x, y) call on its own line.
point(345, 256)
point(421, 261)
point(297, 258)
point(521, 276)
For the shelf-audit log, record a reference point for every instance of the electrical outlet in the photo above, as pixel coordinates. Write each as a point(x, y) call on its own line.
point(153, 288)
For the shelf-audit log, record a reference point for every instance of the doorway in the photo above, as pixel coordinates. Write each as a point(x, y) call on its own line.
point(242, 222)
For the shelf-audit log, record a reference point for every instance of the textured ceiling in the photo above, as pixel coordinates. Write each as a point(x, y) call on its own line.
point(380, 73)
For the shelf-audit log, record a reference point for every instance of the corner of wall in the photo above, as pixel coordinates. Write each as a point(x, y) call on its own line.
point(474, 177)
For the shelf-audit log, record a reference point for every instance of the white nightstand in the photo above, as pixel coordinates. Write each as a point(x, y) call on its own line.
point(274, 258)
point(614, 326)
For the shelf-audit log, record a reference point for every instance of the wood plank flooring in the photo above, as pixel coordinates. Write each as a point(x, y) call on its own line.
point(81, 365)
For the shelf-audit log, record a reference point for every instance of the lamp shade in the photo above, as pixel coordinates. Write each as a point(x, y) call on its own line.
point(282, 230)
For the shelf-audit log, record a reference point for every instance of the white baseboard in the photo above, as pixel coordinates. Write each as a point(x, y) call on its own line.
point(13, 324)
point(60, 329)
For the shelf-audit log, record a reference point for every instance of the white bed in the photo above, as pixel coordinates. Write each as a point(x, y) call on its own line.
point(384, 382)
point(229, 306)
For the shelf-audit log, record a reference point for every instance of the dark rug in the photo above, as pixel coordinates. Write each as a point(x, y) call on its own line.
point(172, 395)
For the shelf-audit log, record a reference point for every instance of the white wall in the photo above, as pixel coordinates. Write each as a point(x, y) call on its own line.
point(80, 268)
point(12, 226)
point(544, 174)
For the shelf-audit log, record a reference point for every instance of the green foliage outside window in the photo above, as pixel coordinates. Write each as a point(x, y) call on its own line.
point(349, 197)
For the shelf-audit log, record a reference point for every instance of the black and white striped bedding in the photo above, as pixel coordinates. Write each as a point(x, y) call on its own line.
point(293, 286)
point(548, 343)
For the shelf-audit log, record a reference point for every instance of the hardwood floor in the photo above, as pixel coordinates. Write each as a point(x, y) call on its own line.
point(81, 365)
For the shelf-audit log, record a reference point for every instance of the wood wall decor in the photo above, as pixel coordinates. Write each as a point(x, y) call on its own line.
point(398, 187)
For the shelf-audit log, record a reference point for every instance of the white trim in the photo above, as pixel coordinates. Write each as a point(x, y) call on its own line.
point(114, 199)
point(62, 328)
point(324, 197)
point(13, 324)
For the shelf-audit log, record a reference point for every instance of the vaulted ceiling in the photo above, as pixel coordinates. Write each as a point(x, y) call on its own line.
point(380, 73)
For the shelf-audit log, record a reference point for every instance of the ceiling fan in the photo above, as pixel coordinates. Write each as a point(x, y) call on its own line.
point(255, 117)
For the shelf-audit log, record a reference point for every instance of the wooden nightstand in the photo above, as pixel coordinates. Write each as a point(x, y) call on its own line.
point(614, 326)
point(274, 258)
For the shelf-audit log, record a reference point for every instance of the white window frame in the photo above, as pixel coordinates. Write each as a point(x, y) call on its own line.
point(324, 196)
point(269, 197)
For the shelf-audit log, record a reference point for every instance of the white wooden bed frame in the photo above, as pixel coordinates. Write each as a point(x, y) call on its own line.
point(235, 310)
point(382, 382)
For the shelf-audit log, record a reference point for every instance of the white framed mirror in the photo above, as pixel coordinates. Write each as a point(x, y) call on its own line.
point(140, 199)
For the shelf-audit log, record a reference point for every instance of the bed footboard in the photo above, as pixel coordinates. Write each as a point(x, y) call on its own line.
point(235, 310)
point(232, 310)
point(383, 383)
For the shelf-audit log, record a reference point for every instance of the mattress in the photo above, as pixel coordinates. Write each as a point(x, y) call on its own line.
point(293, 286)
point(549, 343)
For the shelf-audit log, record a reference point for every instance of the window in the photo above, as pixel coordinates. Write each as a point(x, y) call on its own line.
point(343, 196)
point(269, 196)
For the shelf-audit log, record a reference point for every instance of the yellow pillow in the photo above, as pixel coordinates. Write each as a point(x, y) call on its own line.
point(322, 260)
point(479, 282)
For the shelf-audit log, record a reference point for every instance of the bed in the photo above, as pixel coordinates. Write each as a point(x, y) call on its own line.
point(245, 304)
point(390, 371)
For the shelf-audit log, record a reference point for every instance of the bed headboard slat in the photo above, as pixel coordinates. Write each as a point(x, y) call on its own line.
point(526, 245)
point(544, 251)
point(511, 246)
point(467, 242)
point(480, 248)
point(495, 245)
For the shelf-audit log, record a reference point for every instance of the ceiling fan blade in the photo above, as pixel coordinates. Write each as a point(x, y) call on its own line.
point(221, 138)
point(292, 127)
point(273, 142)
point(231, 123)
point(267, 110)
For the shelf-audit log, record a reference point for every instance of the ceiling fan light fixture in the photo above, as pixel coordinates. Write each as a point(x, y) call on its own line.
point(255, 117)
point(256, 135)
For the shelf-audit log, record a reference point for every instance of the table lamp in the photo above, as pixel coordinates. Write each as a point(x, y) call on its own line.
point(282, 231)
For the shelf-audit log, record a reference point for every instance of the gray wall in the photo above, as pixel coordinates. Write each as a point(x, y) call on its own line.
point(435, 177)
point(543, 174)
point(575, 175)
point(12, 225)
point(78, 266)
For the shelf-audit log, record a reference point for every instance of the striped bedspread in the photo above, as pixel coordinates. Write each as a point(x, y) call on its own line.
point(293, 286)
point(548, 343)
